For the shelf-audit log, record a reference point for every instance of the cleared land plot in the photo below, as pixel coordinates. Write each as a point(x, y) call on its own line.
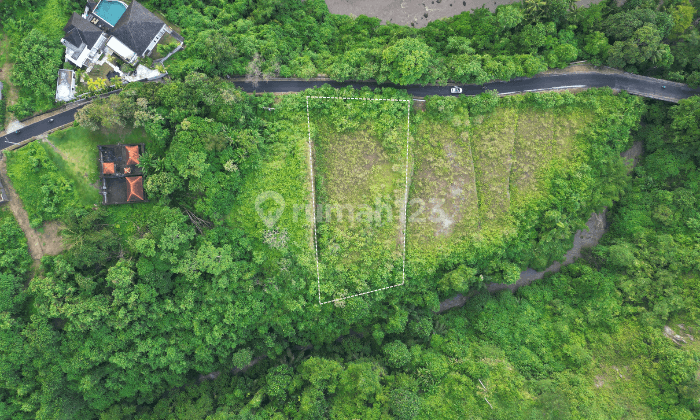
point(543, 140)
point(469, 179)
point(492, 149)
point(361, 189)
point(443, 199)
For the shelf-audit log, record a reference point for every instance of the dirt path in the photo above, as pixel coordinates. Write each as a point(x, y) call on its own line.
point(47, 243)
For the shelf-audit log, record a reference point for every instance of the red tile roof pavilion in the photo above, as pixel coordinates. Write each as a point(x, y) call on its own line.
point(134, 188)
point(133, 155)
point(108, 168)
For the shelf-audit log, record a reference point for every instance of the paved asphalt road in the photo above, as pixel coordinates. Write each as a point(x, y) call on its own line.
point(38, 128)
point(643, 86)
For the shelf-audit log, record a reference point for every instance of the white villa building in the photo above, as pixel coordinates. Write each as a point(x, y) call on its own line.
point(133, 32)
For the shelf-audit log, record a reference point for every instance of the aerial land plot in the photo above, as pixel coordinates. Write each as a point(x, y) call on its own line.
point(543, 141)
point(360, 173)
point(271, 209)
point(443, 201)
point(492, 148)
point(473, 175)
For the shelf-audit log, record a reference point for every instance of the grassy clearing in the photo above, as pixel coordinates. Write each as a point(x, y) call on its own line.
point(542, 141)
point(443, 205)
point(45, 184)
point(492, 148)
point(361, 189)
point(86, 195)
point(79, 146)
point(474, 176)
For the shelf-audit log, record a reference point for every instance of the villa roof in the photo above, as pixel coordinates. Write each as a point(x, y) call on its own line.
point(134, 187)
point(108, 168)
point(79, 31)
point(137, 27)
point(133, 152)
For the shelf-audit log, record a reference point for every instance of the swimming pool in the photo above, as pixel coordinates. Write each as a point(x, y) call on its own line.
point(110, 11)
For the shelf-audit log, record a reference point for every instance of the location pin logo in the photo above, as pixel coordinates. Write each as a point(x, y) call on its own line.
point(269, 218)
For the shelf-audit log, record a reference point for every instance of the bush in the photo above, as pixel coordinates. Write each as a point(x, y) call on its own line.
point(147, 61)
point(126, 68)
point(43, 190)
point(23, 108)
point(14, 254)
point(397, 354)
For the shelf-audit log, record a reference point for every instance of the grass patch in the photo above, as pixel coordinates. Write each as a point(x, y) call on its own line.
point(475, 178)
point(360, 181)
point(443, 205)
point(86, 194)
point(45, 184)
point(100, 72)
point(543, 141)
point(492, 148)
point(79, 146)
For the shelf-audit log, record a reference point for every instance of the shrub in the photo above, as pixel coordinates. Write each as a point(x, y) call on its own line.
point(397, 354)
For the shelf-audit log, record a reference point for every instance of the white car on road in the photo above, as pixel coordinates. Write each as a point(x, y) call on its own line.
point(455, 89)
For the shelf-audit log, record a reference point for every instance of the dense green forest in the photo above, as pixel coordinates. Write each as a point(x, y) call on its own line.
point(151, 297)
point(281, 38)
point(192, 306)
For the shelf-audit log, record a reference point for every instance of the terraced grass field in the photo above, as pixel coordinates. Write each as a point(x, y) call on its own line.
point(472, 176)
point(475, 183)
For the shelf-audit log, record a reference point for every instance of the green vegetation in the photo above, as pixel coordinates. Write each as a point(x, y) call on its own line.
point(360, 165)
point(3, 105)
point(42, 182)
point(52, 183)
point(79, 147)
point(191, 306)
point(513, 176)
point(14, 255)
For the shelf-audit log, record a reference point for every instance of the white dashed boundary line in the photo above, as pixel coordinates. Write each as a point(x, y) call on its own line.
point(313, 196)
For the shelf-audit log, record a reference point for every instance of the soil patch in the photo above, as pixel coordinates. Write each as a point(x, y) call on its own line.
point(47, 243)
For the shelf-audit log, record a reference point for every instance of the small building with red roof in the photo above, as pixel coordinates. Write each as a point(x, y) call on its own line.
point(120, 174)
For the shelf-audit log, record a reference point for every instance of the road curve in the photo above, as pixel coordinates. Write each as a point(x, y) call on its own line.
point(38, 128)
point(637, 85)
point(634, 84)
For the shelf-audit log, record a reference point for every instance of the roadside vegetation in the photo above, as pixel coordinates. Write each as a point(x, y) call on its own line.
point(193, 306)
point(274, 38)
point(195, 282)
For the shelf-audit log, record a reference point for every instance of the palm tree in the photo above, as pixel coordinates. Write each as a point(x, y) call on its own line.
point(534, 9)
